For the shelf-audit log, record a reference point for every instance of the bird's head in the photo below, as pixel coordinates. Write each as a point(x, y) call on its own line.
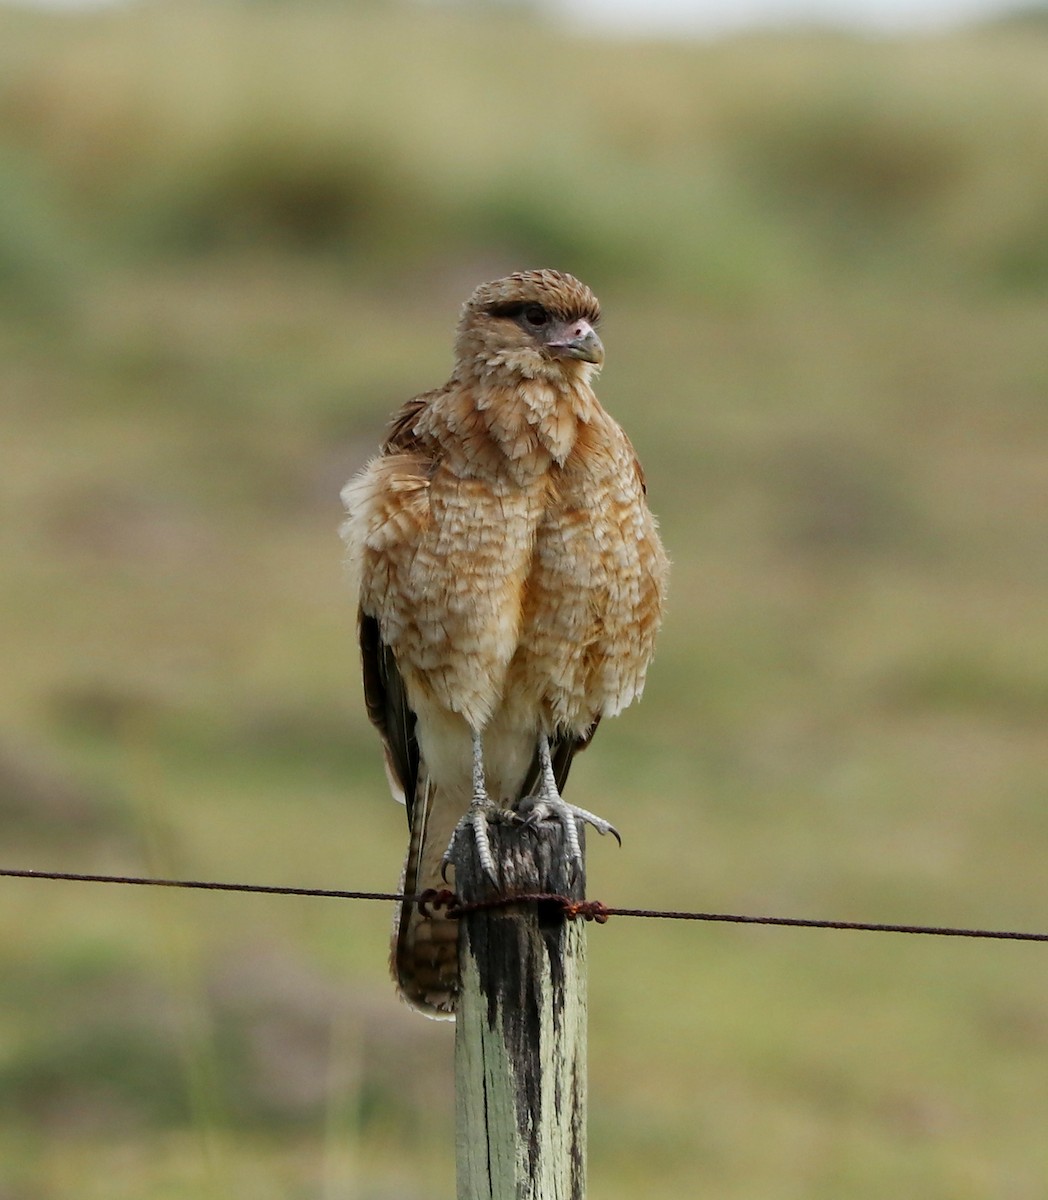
point(534, 324)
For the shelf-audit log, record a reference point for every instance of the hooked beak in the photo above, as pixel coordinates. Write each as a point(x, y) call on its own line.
point(576, 339)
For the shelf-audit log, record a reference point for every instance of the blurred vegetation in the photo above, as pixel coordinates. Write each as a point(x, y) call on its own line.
point(232, 238)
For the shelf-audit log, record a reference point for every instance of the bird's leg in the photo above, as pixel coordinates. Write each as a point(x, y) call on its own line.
point(476, 816)
point(546, 802)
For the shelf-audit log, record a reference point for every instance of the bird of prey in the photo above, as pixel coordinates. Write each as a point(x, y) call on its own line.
point(511, 583)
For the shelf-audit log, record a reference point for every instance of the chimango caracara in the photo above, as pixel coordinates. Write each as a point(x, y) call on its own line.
point(511, 585)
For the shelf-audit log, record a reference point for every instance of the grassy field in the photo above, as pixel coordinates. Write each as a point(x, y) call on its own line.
point(232, 239)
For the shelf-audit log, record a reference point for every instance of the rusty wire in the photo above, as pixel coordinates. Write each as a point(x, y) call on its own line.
point(588, 910)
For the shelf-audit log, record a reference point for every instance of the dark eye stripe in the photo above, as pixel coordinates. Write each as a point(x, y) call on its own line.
point(516, 308)
point(512, 310)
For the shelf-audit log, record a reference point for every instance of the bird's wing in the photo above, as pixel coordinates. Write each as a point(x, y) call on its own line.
point(387, 705)
point(384, 692)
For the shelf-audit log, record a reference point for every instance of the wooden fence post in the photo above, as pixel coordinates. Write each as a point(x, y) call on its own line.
point(520, 1037)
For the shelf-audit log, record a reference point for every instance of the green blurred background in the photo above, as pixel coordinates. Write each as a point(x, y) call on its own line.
point(233, 237)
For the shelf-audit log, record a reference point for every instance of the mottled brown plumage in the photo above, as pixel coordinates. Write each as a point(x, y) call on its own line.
point(511, 582)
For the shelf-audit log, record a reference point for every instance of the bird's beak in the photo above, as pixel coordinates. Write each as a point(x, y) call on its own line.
point(576, 339)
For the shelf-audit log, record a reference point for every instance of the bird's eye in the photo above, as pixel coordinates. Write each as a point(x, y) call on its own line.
point(536, 315)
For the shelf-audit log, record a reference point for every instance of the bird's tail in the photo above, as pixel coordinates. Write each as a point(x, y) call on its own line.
point(425, 948)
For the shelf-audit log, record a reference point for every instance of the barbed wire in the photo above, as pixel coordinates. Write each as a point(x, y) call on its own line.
point(204, 885)
point(589, 910)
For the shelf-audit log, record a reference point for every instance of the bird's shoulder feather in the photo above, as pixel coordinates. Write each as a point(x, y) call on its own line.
point(402, 436)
